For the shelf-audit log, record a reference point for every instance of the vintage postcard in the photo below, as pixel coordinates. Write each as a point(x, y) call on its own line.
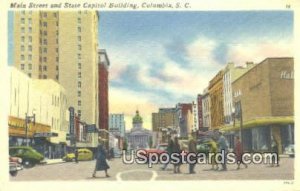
point(149, 95)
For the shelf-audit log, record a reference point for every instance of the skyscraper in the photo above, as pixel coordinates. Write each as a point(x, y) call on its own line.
point(61, 46)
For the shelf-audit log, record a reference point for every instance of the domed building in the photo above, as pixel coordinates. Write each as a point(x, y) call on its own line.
point(138, 137)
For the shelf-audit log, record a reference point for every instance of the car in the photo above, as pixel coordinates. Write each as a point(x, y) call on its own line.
point(30, 157)
point(290, 150)
point(203, 146)
point(160, 148)
point(83, 154)
point(15, 165)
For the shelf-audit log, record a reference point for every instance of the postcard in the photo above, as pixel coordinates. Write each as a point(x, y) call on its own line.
point(151, 95)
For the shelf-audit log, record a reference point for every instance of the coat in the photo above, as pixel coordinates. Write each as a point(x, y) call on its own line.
point(101, 163)
point(238, 150)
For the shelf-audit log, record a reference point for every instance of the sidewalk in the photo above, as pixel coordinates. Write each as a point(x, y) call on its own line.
point(53, 161)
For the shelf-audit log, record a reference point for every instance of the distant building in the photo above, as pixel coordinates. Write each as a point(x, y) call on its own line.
point(117, 124)
point(182, 110)
point(264, 98)
point(199, 112)
point(138, 137)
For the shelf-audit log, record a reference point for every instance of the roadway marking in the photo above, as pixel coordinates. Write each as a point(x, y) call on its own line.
point(153, 177)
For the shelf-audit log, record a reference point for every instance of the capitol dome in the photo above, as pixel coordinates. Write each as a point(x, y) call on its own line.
point(137, 118)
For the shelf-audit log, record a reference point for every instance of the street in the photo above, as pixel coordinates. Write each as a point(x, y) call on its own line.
point(120, 171)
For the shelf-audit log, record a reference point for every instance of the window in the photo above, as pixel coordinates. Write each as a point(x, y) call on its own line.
point(30, 48)
point(79, 102)
point(22, 57)
point(56, 77)
point(45, 68)
point(22, 48)
point(79, 47)
point(45, 14)
point(40, 59)
point(45, 59)
point(79, 20)
point(79, 66)
point(79, 113)
point(23, 12)
point(45, 76)
point(56, 41)
point(22, 30)
point(30, 21)
point(30, 38)
point(56, 50)
point(79, 93)
point(22, 67)
point(22, 39)
point(79, 74)
point(79, 84)
point(57, 33)
point(57, 59)
point(40, 67)
point(79, 29)
point(45, 24)
point(56, 68)
point(29, 57)
point(45, 41)
point(45, 33)
point(30, 30)
point(57, 23)
point(79, 56)
point(79, 38)
point(22, 20)
point(45, 50)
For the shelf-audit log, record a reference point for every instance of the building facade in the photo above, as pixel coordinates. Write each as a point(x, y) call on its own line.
point(182, 110)
point(46, 100)
point(215, 90)
point(200, 112)
point(63, 46)
point(206, 109)
point(138, 137)
point(264, 101)
point(117, 124)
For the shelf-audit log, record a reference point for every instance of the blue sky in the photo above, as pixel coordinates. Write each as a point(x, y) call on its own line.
point(161, 58)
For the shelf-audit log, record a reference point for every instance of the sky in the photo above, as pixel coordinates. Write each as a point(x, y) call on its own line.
point(158, 59)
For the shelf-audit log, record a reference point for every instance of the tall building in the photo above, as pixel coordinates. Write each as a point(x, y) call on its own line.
point(117, 124)
point(103, 90)
point(264, 100)
point(231, 73)
point(195, 116)
point(182, 110)
point(63, 46)
point(200, 111)
point(206, 109)
point(215, 90)
point(163, 122)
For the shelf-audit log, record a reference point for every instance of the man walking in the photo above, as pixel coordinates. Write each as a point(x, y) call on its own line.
point(192, 149)
point(223, 145)
point(76, 155)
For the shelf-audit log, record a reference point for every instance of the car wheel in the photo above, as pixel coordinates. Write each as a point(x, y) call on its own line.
point(28, 164)
point(13, 173)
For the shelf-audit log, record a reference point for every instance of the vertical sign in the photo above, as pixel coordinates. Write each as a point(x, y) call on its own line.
point(71, 127)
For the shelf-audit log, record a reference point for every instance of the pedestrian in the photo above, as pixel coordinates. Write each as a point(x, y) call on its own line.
point(176, 149)
point(101, 163)
point(238, 150)
point(213, 150)
point(76, 155)
point(223, 145)
point(192, 149)
point(169, 151)
point(275, 149)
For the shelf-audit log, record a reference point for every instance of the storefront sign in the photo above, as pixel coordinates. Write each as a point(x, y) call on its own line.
point(91, 128)
point(50, 134)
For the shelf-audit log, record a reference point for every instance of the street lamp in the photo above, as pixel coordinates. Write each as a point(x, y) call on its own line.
point(29, 119)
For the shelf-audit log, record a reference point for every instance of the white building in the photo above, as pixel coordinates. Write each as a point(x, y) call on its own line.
point(46, 100)
point(117, 124)
point(195, 116)
point(206, 109)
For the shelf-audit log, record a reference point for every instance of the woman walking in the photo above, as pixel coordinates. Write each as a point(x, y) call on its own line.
point(176, 149)
point(101, 163)
point(239, 153)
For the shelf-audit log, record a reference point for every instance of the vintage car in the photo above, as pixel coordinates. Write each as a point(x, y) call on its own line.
point(83, 154)
point(15, 165)
point(30, 157)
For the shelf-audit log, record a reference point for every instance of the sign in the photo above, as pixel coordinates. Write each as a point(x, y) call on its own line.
point(91, 128)
point(72, 123)
point(48, 134)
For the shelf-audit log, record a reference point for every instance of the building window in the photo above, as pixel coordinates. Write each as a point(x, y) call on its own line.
point(79, 66)
point(45, 50)
point(57, 33)
point(22, 48)
point(79, 56)
point(22, 30)
point(23, 12)
point(79, 93)
point(56, 68)
point(22, 20)
point(45, 24)
point(45, 33)
point(79, 113)
point(79, 84)
point(22, 39)
point(45, 59)
point(45, 41)
point(45, 68)
point(79, 74)
point(22, 66)
point(22, 57)
point(79, 47)
point(30, 30)
point(57, 59)
point(56, 50)
point(57, 77)
point(29, 21)
point(30, 66)
point(79, 38)
point(40, 67)
point(44, 76)
point(57, 41)
point(79, 102)
point(30, 48)
point(29, 57)
point(57, 23)
point(79, 20)
point(30, 38)
point(79, 29)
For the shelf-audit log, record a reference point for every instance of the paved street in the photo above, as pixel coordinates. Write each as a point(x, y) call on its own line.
point(120, 171)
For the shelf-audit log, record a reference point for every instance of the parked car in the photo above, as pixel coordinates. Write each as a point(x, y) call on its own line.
point(30, 157)
point(290, 150)
point(15, 164)
point(160, 148)
point(83, 154)
point(203, 146)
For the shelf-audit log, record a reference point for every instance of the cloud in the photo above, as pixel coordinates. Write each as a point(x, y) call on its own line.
point(258, 51)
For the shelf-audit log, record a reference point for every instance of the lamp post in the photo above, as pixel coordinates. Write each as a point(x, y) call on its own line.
point(29, 119)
